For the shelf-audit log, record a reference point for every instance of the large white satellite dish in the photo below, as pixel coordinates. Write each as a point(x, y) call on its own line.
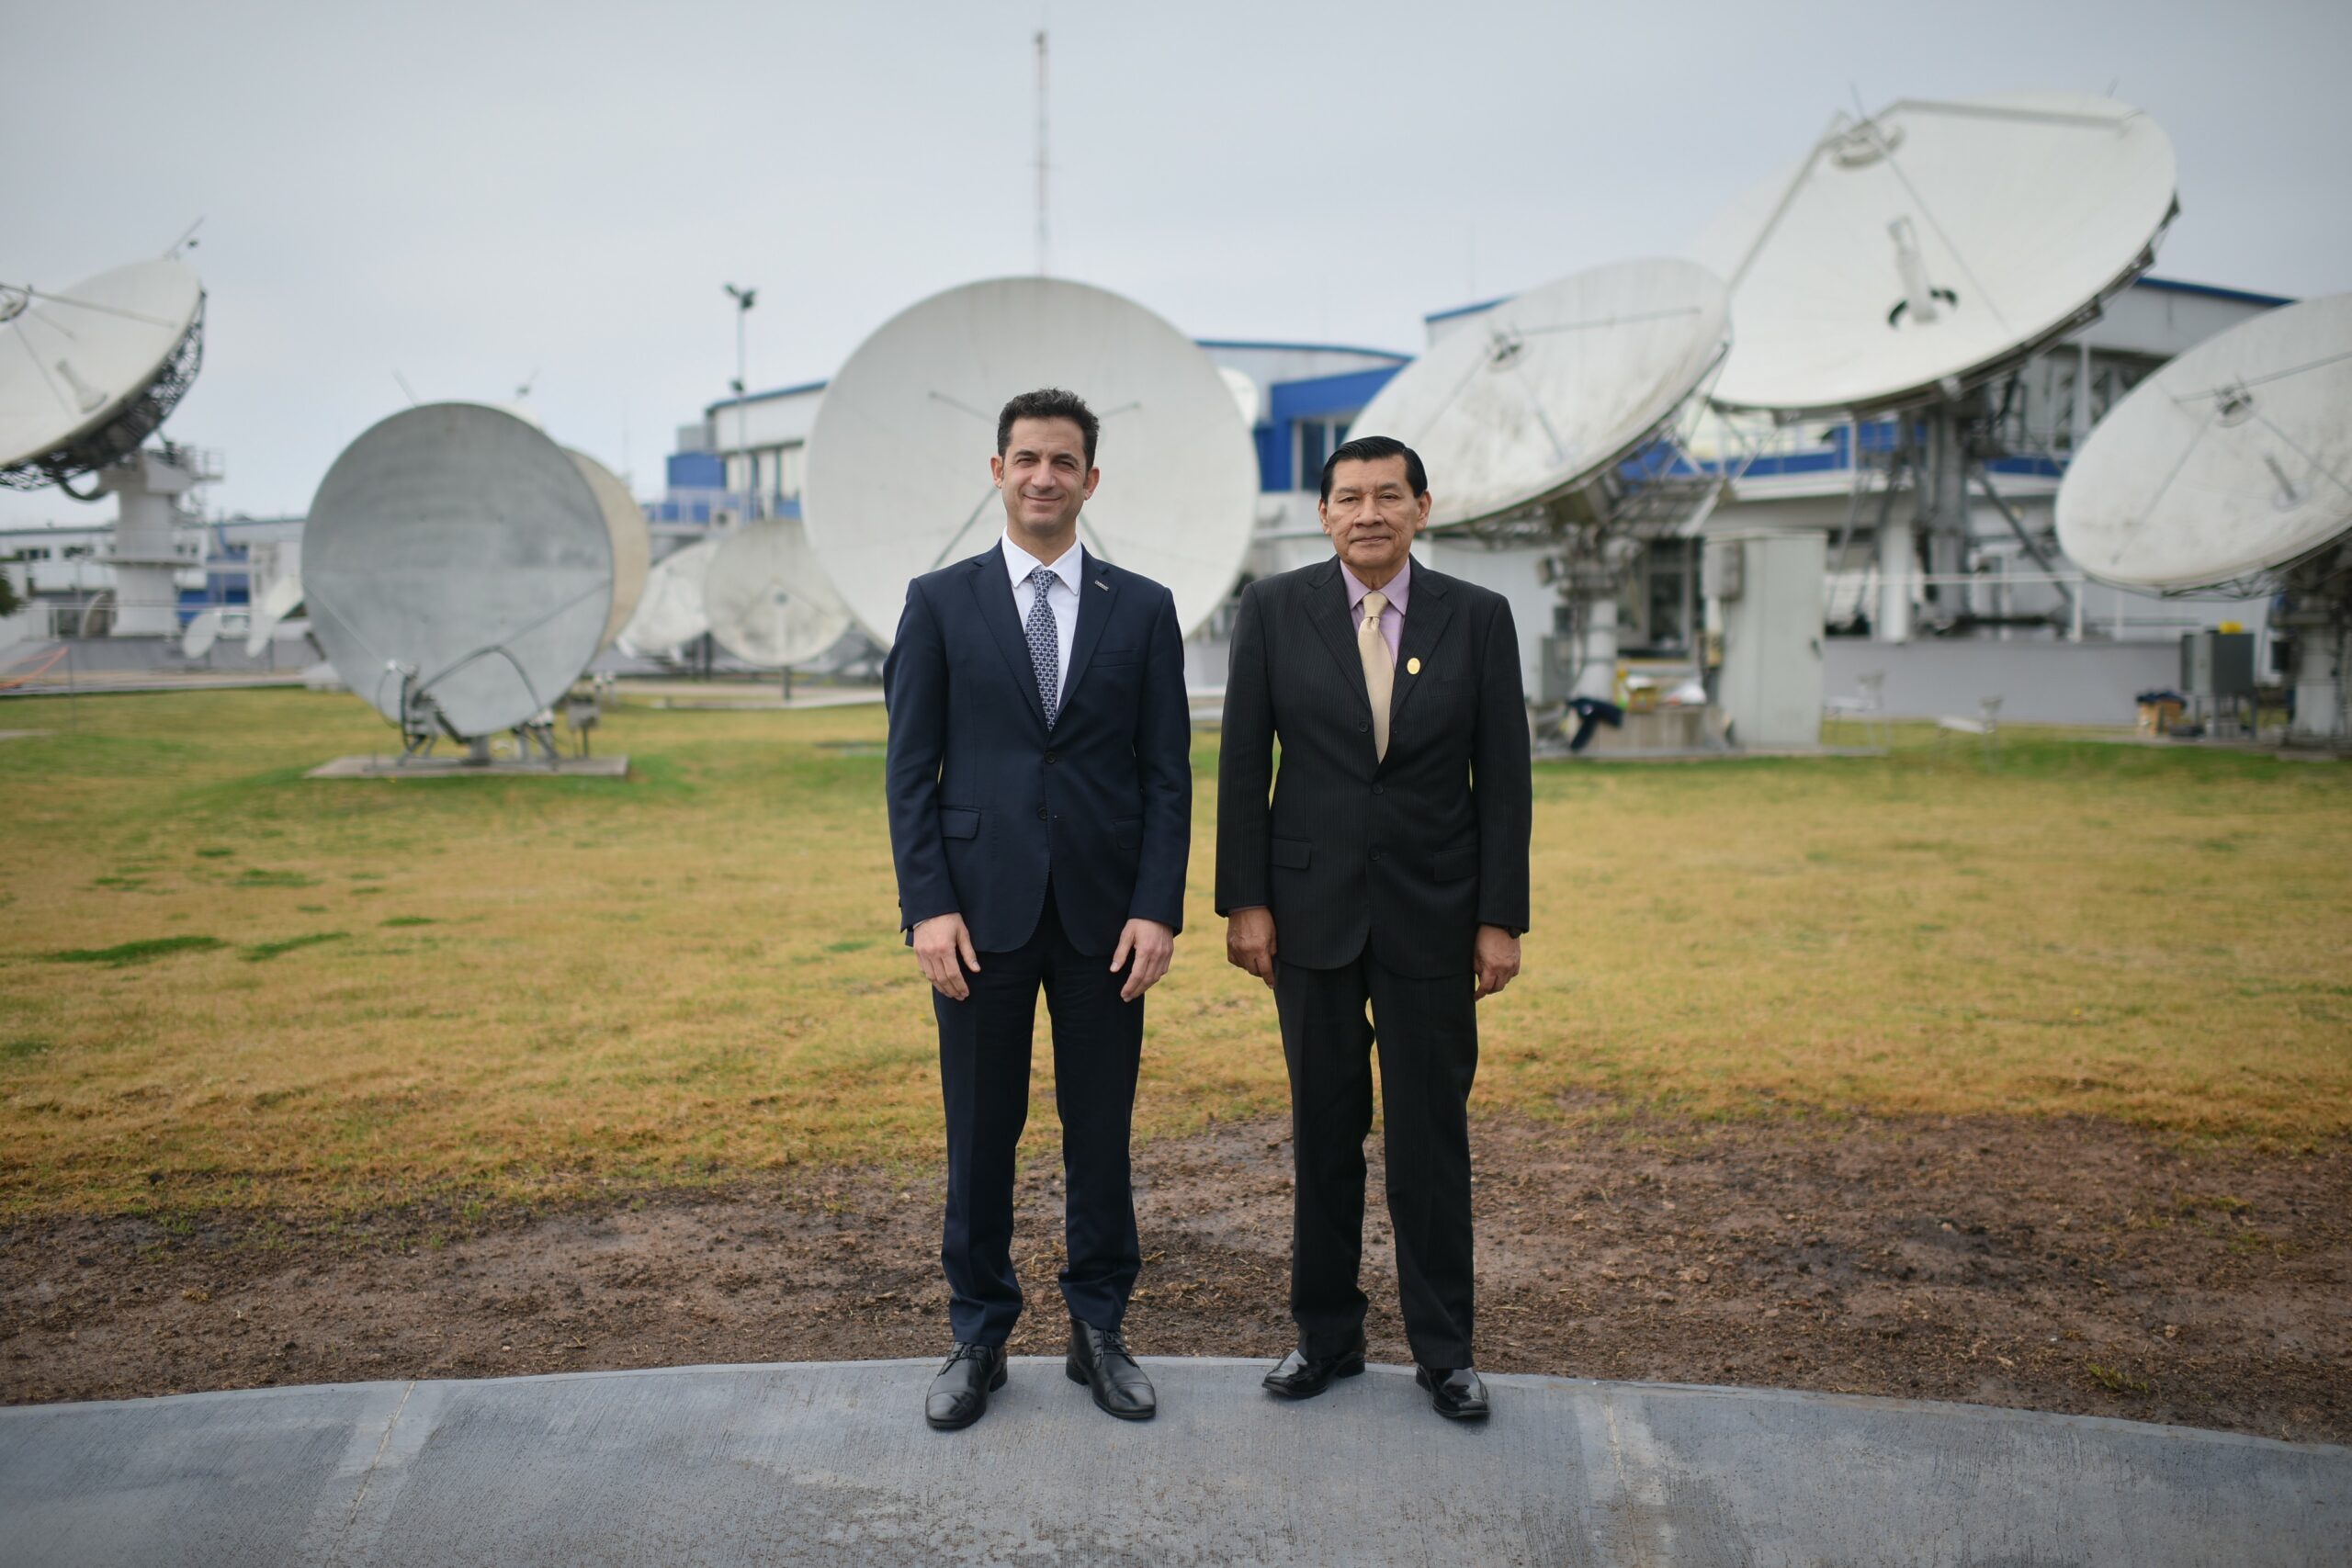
point(455, 549)
point(1548, 389)
point(670, 614)
point(897, 481)
point(89, 374)
point(1912, 254)
point(2232, 462)
point(632, 544)
point(767, 598)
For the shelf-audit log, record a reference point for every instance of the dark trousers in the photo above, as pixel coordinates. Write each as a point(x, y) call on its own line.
point(1427, 1037)
point(984, 1076)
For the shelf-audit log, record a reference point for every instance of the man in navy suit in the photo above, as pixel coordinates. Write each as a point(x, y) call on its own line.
point(1041, 797)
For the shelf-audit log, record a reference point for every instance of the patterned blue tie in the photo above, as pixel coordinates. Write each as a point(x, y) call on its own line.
point(1046, 644)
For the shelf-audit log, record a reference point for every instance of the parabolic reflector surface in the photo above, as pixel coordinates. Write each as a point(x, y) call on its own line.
point(1932, 245)
point(2232, 460)
point(897, 481)
point(1546, 389)
point(460, 542)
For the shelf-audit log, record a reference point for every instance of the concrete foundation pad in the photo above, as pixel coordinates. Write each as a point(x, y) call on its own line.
point(387, 765)
point(823, 1464)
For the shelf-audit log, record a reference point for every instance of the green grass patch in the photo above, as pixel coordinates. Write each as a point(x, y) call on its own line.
point(694, 975)
point(255, 876)
point(263, 951)
point(2116, 1381)
point(123, 954)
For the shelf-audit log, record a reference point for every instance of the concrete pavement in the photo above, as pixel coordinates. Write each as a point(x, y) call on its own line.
point(830, 1462)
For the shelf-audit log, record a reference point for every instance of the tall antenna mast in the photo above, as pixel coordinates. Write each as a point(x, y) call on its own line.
point(1043, 164)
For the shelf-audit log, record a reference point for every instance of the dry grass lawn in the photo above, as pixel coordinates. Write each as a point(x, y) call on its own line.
point(221, 984)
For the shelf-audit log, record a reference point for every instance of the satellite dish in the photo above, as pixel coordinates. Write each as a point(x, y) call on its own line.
point(454, 548)
point(279, 600)
point(632, 544)
point(87, 374)
point(670, 612)
point(897, 481)
point(2230, 464)
point(1550, 389)
point(1928, 248)
point(203, 631)
point(767, 598)
point(1246, 395)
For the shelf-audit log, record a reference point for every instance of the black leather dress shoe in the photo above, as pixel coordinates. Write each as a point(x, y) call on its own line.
point(959, 1394)
point(1099, 1358)
point(1302, 1376)
point(1458, 1396)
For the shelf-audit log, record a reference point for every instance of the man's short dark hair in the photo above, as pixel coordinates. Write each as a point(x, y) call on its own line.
point(1048, 403)
point(1372, 449)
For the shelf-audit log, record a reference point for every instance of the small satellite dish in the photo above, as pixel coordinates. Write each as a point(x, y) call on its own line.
point(670, 612)
point(456, 550)
point(203, 631)
point(279, 600)
point(632, 544)
point(767, 598)
point(87, 374)
point(2229, 464)
point(897, 479)
point(1246, 395)
point(1928, 248)
point(1546, 391)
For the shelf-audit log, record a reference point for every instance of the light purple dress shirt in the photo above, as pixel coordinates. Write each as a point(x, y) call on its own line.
point(1392, 619)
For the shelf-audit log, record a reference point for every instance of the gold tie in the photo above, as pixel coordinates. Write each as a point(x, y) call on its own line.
point(1379, 670)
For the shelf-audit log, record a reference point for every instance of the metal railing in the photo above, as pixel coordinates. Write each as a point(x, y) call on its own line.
point(2122, 615)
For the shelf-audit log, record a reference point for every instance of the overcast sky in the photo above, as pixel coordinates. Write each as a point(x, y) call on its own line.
point(471, 195)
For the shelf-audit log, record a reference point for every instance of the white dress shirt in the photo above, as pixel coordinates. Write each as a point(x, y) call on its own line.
point(1061, 598)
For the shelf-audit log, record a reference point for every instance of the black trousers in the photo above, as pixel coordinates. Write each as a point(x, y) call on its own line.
point(984, 1079)
point(1428, 1036)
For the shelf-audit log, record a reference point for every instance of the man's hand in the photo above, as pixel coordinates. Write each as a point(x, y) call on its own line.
point(1249, 941)
point(1153, 945)
point(1496, 960)
point(941, 943)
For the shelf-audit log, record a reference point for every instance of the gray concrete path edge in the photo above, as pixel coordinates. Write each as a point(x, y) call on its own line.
point(830, 1462)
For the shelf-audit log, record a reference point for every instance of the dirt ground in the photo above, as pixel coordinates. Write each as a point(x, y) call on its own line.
point(2054, 1265)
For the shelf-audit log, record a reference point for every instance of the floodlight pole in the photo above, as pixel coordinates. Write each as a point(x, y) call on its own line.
point(744, 299)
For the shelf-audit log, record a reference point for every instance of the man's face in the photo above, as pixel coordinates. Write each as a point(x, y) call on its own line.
point(1043, 475)
point(1372, 514)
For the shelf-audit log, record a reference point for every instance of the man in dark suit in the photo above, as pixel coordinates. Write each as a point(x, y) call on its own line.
point(1041, 795)
point(1389, 871)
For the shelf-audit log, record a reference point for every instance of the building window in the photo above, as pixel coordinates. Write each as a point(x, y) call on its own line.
point(1317, 439)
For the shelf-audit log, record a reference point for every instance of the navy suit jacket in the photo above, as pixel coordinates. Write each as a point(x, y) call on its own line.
point(988, 805)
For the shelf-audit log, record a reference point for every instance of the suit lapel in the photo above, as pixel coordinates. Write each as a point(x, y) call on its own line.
point(1326, 611)
point(1424, 624)
point(1098, 595)
point(992, 592)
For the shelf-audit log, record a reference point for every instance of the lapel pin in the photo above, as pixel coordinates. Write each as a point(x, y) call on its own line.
point(1103, 584)
point(1412, 667)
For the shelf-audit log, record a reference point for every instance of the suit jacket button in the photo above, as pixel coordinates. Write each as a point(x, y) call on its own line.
point(1362, 724)
point(1049, 756)
point(1377, 789)
point(1375, 855)
point(1041, 814)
